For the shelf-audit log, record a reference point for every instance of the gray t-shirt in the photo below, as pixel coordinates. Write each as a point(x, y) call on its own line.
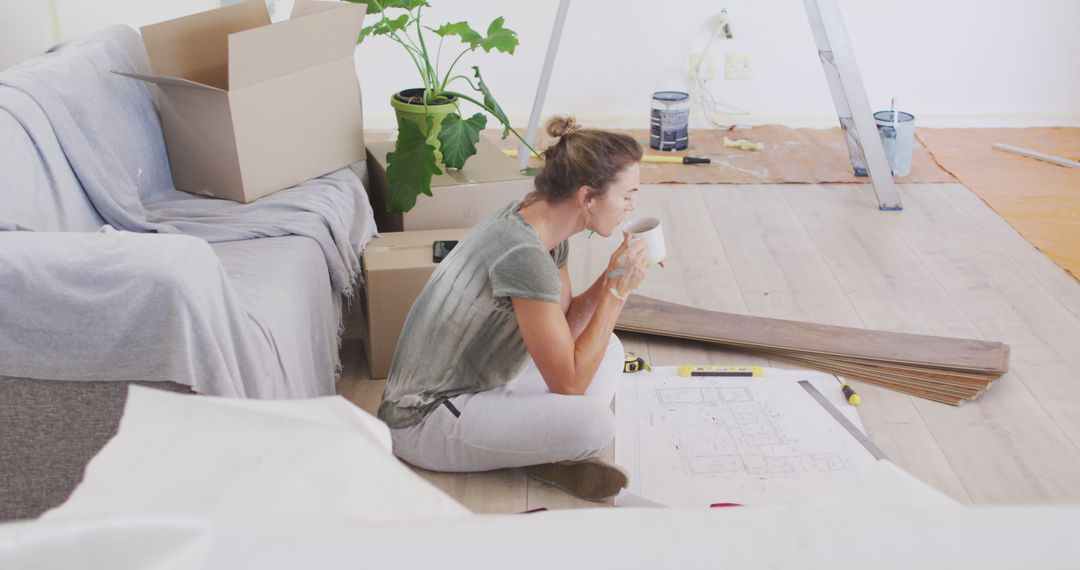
point(461, 336)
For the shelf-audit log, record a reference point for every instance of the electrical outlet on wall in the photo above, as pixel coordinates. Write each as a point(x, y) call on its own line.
point(708, 71)
point(738, 66)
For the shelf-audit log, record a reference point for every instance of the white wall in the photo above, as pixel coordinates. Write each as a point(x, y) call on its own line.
point(29, 27)
point(78, 17)
point(951, 62)
point(25, 30)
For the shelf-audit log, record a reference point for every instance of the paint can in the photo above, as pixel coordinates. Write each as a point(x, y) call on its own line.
point(670, 120)
point(897, 130)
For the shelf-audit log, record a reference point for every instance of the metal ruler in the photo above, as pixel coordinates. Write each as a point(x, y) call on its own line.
point(842, 419)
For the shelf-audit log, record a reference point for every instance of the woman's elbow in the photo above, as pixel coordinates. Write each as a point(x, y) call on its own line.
point(567, 388)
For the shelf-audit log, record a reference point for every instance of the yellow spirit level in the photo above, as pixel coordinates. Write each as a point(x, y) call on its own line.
point(747, 371)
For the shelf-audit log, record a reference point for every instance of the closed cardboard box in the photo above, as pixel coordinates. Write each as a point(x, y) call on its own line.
point(249, 107)
point(461, 198)
point(396, 267)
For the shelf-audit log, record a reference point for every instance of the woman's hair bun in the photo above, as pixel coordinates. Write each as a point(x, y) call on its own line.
point(562, 125)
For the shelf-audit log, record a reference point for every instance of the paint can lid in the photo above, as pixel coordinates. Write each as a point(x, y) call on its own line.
point(672, 96)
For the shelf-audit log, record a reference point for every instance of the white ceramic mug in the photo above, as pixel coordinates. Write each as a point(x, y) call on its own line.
point(649, 231)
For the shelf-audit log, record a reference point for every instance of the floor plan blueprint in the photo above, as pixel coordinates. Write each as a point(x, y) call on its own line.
point(754, 441)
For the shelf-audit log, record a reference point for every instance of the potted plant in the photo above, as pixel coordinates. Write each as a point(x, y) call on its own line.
point(431, 131)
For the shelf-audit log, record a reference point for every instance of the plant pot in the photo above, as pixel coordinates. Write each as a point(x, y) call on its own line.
point(415, 112)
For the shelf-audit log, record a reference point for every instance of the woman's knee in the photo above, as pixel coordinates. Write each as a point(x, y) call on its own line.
point(615, 346)
point(614, 354)
point(594, 427)
point(608, 373)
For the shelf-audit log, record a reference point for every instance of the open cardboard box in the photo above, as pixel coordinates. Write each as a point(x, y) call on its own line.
point(461, 198)
point(396, 268)
point(249, 107)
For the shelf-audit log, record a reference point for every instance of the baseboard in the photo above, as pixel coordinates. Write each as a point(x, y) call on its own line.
point(373, 121)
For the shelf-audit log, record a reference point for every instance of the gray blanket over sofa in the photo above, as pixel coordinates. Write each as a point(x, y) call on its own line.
point(105, 268)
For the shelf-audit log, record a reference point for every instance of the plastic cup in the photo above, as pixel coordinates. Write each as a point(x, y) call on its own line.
point(651, 232)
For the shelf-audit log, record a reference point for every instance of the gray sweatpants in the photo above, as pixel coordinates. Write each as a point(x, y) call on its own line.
point(520, 423)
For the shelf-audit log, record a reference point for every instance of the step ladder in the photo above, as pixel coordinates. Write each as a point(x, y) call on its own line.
point(849, 97)
point(542, 86)
point(841, 72)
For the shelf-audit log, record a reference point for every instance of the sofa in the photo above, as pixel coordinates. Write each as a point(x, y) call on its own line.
point(109, 276)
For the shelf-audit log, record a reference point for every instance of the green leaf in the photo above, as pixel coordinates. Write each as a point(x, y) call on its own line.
point(458, 138)
point(500, 38)
point(372, 30)
point(397, 24)
point(409, 167)
point(489, 102)
point(376, 6)
point(461, 30)
point(384, 27)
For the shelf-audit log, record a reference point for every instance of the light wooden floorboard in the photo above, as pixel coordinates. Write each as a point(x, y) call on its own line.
point(783, 275)
point(910, 271)
point(1021, 307)
point(1017, 251)
point(699, 272)
point(946, 265)
point(777, 267)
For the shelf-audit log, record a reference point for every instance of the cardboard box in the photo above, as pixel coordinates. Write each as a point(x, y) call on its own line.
point(396, 267)
point(249, 107)
point(462, 198)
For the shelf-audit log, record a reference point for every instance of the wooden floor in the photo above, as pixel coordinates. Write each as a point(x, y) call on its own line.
point(946, 265)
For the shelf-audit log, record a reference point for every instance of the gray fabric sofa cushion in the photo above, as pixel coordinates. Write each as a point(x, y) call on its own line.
point(284, 287)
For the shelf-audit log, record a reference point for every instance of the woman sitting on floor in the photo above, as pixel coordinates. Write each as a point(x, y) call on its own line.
point(498, 364)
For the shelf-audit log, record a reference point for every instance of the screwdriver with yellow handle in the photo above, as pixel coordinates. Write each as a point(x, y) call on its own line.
point(646, 158)
point(850, 394)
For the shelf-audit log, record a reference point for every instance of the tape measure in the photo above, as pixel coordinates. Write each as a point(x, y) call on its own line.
point(747, 371)
point(634, 363)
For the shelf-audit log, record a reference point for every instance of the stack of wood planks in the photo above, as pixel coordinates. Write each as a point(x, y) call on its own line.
point(947, 370)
